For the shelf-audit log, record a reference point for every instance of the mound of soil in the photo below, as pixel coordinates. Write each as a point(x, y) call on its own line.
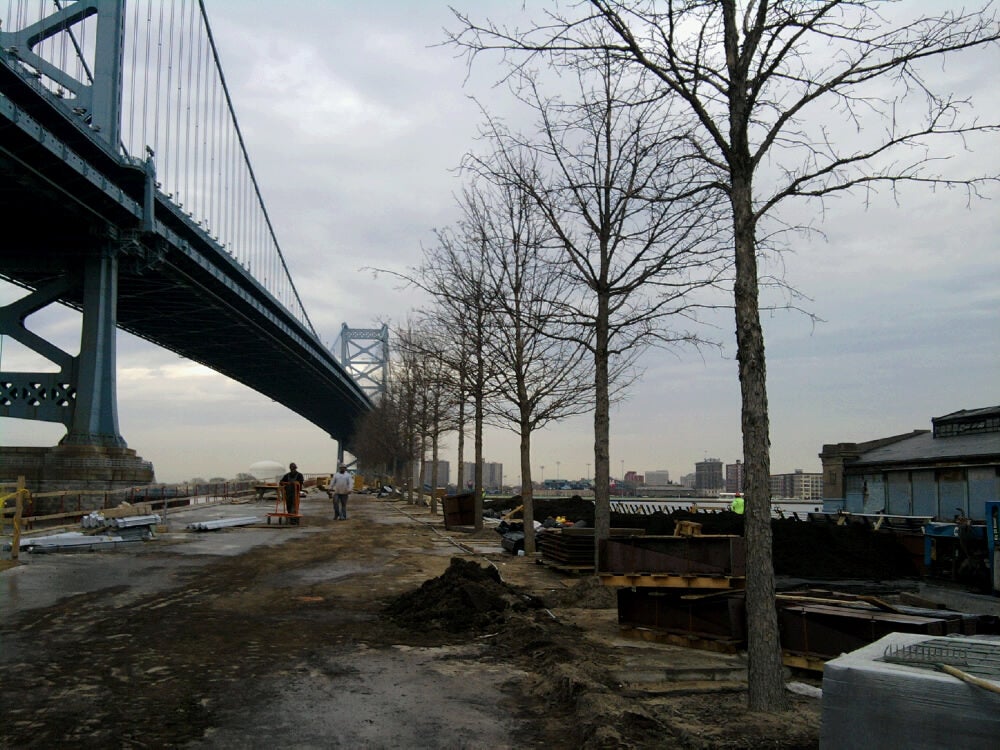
point(587, 593)
point(565, 676)
point(466, 598)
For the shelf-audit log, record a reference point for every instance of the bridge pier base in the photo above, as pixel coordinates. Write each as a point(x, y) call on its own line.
point(79, 468)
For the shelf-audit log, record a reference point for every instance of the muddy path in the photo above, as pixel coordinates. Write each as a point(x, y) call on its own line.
point(284, 637)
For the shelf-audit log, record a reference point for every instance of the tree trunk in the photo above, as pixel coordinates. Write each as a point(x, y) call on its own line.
point(434, 471)
point(423, 469)
point(527, 496)
point(602, 431)
point(478, 486)
point(766, 690)
point(766, 685)
point(460, 477)
point(411, 442)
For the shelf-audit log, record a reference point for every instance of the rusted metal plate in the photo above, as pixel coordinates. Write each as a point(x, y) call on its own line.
point(459, 510)
point(719, 616)
point(676, 555)
point(575, 546)
point(828, 631)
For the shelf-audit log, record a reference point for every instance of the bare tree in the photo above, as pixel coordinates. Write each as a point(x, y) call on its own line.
point(457, 266)
point(442, 394)
point(379, 441)
point(452, 274)
point(406, 376)
point(427, 343)
point(539, 375)
point(764, 84)
point(632, 231)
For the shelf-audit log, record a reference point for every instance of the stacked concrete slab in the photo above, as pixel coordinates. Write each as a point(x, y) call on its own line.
point(869, 701)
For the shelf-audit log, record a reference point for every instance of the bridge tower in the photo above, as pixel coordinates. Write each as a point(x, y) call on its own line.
point(364, 352)
point(82, 394)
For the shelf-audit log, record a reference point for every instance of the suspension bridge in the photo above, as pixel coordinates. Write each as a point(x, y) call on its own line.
point(128, 195)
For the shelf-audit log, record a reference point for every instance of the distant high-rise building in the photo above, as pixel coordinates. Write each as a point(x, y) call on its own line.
point(800, 485)
point(734, 477)
point(708, 475)
point(492, 475)
point(657, 477)
point(443, 477)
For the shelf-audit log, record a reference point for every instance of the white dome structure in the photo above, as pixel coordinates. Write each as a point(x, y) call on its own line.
point(267, 470)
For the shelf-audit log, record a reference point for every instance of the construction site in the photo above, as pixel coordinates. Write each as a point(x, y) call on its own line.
point(223, 624)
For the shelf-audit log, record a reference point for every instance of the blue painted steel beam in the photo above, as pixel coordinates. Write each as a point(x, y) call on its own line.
point(176, 286)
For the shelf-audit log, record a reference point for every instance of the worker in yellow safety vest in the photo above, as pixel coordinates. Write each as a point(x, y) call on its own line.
point(737, 505)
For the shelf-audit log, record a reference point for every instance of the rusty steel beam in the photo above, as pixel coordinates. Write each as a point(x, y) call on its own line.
point(713, 616)
point(828, 631)
point(676, 555)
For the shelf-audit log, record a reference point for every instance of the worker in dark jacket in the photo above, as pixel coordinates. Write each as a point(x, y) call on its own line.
point(291, 485)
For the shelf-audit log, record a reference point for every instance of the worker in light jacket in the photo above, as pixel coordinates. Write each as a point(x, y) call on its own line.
point(340, 488)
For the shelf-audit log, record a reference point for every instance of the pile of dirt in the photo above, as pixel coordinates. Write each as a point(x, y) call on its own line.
point(587, 593)
point(569, 688)
point(467, 598)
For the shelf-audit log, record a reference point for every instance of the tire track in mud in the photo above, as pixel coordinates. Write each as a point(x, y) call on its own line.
point(109, 668)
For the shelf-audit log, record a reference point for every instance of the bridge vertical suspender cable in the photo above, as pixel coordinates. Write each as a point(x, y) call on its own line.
point(253, 178)
point(184, 115)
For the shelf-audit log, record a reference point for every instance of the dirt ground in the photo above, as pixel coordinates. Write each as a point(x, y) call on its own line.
point(385, 630)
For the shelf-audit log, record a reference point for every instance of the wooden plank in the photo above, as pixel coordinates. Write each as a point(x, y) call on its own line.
point(918, 601)
point(832, 601)
point(803, 661)
point(564, 568)
point(511, 514)
point(860, 614)
point(718, 645)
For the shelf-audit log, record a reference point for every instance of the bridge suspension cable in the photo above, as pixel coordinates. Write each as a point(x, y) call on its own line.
point(177, 109)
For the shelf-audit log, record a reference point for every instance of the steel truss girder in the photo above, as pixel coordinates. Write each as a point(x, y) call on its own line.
point(82, 395)
point(97, 102)
point(364, 352)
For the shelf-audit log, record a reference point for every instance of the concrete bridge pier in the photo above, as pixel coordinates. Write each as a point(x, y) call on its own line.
point(82, 394)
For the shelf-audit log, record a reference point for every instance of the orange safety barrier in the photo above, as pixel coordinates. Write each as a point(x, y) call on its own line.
point(281, 511)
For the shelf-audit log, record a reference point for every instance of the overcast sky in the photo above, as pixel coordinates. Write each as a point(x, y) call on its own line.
point(355, 122)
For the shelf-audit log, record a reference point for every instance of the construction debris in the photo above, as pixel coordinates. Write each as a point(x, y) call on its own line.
point(223, 523)
point(118, 528)
point(99, 520)
point(75, 541)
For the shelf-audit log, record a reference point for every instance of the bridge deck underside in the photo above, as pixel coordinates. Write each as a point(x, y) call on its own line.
point(182, 295)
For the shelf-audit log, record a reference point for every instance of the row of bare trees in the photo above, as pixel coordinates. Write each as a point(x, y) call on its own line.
point(666, 138)
point(580, 238)
point(775, 100)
